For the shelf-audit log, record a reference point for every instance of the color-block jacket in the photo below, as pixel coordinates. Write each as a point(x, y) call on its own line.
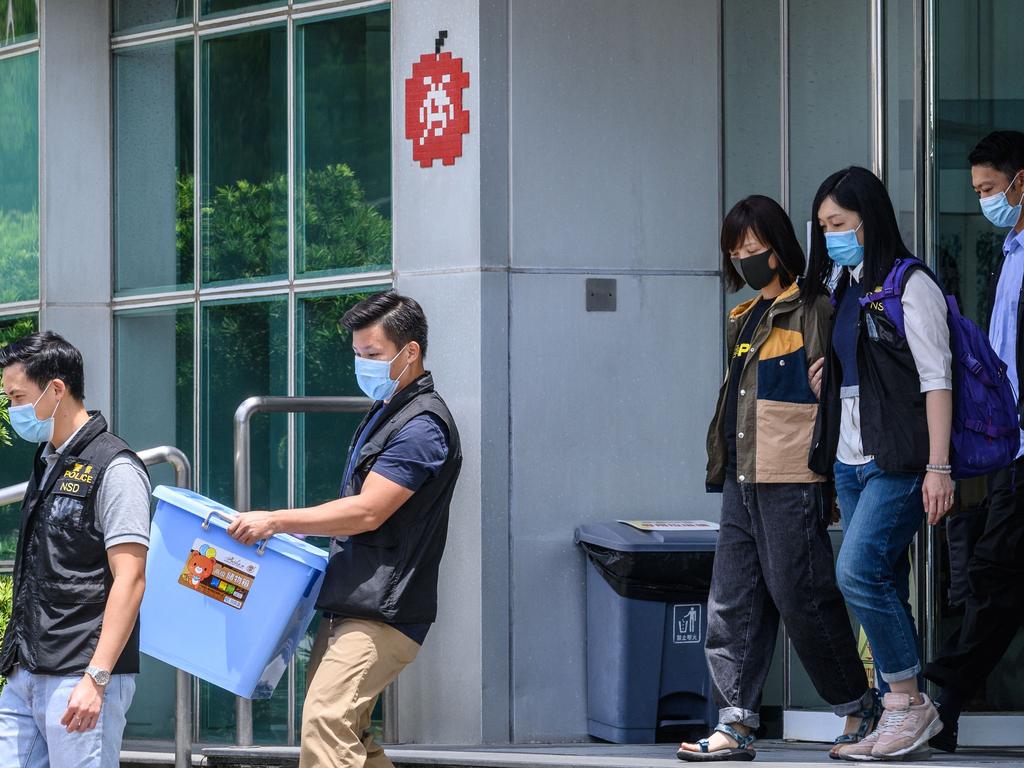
point(776, 408)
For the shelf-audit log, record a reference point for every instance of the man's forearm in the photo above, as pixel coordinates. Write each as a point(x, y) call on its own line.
point(340, 517)
point(119, 617)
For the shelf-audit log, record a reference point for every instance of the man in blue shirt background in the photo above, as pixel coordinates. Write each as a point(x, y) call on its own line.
point(995, 571)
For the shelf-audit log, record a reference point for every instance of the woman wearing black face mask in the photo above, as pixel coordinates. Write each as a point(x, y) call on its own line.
point(774, 557)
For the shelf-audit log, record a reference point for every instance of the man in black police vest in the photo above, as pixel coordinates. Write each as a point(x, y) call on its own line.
point(72, 644)
point(389, 527)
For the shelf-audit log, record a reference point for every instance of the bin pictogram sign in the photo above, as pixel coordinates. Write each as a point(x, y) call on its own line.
point(435, 120)
point(686, 623)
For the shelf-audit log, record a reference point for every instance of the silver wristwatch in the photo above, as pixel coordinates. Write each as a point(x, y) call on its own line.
point(100, 676)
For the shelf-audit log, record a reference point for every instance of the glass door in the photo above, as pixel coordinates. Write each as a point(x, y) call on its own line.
point(875, 123)
point(977, 88)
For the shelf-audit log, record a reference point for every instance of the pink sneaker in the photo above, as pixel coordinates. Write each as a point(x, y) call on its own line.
point(905, 728)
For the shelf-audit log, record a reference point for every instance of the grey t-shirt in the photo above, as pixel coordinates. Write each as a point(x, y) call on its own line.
point(122, 500)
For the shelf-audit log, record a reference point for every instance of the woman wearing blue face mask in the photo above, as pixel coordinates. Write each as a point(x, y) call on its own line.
point(883, 429)
point(774, 556)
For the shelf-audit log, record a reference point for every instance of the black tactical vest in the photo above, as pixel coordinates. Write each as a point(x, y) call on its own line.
point(893, 423)
point(390, 574)
point(61, 574)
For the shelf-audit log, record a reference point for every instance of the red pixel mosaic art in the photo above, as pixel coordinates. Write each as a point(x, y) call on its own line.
point(435, 121)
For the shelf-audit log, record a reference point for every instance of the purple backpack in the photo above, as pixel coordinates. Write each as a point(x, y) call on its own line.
point(986, 424)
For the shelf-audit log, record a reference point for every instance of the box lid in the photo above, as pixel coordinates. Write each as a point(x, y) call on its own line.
point(623, 537)
point(201, 507)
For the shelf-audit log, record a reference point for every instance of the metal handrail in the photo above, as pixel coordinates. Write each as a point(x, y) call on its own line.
point(164, 454)
point(243, 445)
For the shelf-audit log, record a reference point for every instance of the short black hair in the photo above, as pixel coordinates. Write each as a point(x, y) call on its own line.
point(856, 189)
point(401, 318)
point(771, 225)
point(47, 356)
point(1002, 150)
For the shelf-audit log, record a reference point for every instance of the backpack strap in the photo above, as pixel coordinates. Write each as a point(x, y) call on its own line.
point(891, 293)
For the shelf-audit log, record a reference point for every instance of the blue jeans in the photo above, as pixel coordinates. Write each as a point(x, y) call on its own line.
point(881, 513)
point(31, 735)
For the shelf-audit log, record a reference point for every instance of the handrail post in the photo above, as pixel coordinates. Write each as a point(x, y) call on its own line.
point(243, 449)
point(243, 706)
point(183, 681)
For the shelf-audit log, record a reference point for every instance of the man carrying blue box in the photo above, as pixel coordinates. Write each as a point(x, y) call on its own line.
point(379, 595)
point(71, 648)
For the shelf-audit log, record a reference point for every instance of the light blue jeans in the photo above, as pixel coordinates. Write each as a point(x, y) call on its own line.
point(881, 512)
point(31, 735)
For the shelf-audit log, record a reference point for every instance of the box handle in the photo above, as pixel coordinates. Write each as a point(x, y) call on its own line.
point(261, 545)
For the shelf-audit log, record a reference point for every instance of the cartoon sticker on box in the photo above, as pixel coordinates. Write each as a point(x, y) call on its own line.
point(218, 574)
point(199, 567)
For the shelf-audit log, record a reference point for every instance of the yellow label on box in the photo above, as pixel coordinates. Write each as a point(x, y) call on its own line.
point(218, 574)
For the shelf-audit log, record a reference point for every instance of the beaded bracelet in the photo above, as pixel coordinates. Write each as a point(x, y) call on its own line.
point(939, 469)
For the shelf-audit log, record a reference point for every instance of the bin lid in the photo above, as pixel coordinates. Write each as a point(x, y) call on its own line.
point(200, 506)
point(698, 536)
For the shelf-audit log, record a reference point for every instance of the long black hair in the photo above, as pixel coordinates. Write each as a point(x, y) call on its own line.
point(771, 225)
point(856, 189)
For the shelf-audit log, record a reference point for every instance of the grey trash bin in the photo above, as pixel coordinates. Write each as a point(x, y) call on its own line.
point(647, 595)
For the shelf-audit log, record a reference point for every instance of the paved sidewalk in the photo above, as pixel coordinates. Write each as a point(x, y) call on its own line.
point(771, 754)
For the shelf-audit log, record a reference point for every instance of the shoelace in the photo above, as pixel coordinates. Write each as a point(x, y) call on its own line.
point(893, 720)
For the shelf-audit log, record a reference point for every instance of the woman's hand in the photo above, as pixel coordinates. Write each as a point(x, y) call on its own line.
point(937, 491)
point(814, 376)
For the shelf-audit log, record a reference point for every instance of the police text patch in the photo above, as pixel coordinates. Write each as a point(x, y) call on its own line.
point(77, 479)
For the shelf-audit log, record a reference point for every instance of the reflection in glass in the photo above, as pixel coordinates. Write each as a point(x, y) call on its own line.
point(137, 15)
point(153, 405)
point(978, 90)
point(19, 168)
point(17, 464)
point(154, 377)
point(224, 7)
point(245, 185)
point(830, 126)
point(153, 159)
point(21, 22)
point(343, 195)
point(901, 89)
point(244, 353)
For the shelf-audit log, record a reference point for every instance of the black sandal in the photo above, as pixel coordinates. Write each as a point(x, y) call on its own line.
point(868, 720)
point(741, 751)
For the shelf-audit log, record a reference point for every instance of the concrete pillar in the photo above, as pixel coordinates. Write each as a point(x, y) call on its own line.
point(74, 148)
point(451, 253)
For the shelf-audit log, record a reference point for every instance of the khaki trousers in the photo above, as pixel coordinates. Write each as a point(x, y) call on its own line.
point(351, 663)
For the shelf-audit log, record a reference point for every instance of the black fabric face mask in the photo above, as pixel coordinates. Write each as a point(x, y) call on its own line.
point(756, 270)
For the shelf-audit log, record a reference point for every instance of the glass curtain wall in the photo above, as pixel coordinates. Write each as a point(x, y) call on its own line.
point(19, 221)
point(252, 208)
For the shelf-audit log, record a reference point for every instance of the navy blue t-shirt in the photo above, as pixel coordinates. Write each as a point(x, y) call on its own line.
point(415, 455)
point(844, 333)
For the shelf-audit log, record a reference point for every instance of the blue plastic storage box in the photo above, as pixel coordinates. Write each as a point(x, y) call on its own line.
point(227, 613)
